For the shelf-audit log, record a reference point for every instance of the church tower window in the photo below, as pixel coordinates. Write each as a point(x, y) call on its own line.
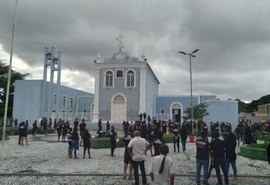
point(109, 79)
point(130, 79)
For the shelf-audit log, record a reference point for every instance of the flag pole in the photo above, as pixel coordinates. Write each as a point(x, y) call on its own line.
point(9, 76)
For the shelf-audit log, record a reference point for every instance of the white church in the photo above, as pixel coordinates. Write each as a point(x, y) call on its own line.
point(125, 86)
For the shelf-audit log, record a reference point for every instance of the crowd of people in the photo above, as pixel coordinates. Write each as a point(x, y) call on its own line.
point(145, 136)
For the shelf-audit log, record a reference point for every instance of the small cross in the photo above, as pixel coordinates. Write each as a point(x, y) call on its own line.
point(120, 44)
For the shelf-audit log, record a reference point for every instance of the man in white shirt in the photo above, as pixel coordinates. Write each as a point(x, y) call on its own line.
point(161, 168)
point(137, 148)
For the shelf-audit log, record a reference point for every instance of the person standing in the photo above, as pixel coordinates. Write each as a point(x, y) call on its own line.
point(143, 129)
point(230, 145)
point(218, 154)
point(59, 129)
point(54, 125)
point(158, 141)
point(161, 168)
point(15, 123)
point(69, 141)
point(113, 137)
point(99, 124)
point(237, 133)
point(50, 123)
point(34, 129)
point(151, 136)
point(86, 143)
point(183, 135)
point(76, 123)
point(45, 125)
point(127, 157)
point(164, 127)
point(202, 158)
point(82, 127)
point(64, 131)
point(176, 139)
point(23, 133)
point(75, 143)
point(137, 149)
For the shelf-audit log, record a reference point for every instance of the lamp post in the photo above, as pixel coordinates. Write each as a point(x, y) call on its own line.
point(191, 104)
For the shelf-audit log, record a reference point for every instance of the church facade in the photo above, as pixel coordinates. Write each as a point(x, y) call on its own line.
point(125, 86)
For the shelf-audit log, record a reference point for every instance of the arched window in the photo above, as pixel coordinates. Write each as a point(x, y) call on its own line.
point(54, 100)
point(109, 79)
point(71, 102)
point(130, 79)
point(64, 103)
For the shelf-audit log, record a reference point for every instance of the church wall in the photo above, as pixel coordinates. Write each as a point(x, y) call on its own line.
point(166, 101)
point(222, 111)
point(26, 105)
point(28, 97)
point(151, 92)
point(84, 107)
point(204, 98)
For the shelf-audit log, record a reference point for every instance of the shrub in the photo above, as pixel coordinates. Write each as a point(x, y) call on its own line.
point(104, 142)
point(264, 136)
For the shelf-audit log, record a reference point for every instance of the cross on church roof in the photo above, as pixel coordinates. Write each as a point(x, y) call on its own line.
point(120, 44)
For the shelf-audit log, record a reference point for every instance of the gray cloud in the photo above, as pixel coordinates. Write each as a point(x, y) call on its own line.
point(233, 38)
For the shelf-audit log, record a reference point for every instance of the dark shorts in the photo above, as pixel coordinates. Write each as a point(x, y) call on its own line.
point(86, 146)
point(127, 158)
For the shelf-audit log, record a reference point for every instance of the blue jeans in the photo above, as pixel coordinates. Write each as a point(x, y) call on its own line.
point(74, 148)
point(220, 163)
point(183, 144)
point(136, 165)
point(232, 163)
point(199, 165)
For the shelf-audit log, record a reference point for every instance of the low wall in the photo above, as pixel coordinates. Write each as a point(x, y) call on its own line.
point(253, 153)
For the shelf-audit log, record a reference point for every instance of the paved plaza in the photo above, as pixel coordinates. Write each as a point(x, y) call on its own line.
point(45, 160)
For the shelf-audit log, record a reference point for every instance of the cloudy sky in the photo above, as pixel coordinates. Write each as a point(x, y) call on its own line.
point(233, 37)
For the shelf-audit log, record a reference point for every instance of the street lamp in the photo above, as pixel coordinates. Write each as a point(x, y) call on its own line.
point(191, 104)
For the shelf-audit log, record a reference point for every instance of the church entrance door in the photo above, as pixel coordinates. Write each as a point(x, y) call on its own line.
point(118, 109)
point(176, 112)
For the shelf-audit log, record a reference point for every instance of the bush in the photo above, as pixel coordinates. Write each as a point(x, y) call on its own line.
point(264, 136)
point(8, 130)
point(104, 142)
point(168, 138)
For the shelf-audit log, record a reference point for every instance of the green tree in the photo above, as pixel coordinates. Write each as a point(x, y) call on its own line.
point(3, 87)
point(199, 111)
point(242, 106)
